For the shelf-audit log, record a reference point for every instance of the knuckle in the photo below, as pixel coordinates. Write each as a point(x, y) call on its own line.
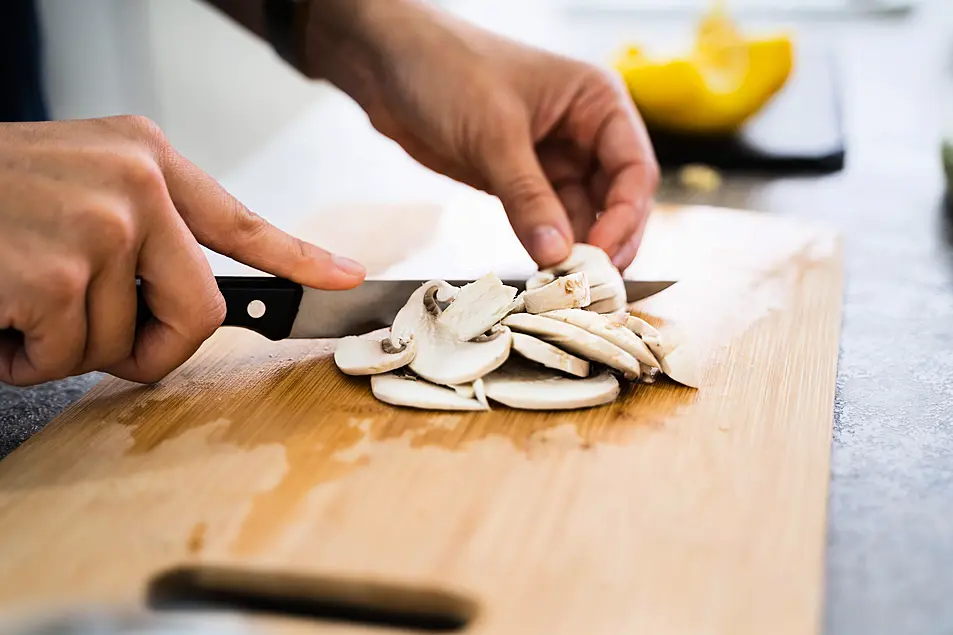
point(525, 190)
point(140, 172)
point(601, 79)
point(65, 280)
point(142, 127)
point(247, 224)
point(210, 317)
point(114, 228)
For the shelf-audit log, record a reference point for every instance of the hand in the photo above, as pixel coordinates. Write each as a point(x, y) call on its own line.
point(558, 141)
point(85, 208)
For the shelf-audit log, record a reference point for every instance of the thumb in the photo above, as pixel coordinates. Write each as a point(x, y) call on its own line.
point(514, 174)
point(220, 222)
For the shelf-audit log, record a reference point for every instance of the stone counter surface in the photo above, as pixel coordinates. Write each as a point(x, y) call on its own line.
point(890, 539)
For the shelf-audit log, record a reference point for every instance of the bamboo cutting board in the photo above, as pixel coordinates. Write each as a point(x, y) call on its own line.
point(672, 511)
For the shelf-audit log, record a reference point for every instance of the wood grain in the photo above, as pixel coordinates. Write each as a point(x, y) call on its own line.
point(672, 511)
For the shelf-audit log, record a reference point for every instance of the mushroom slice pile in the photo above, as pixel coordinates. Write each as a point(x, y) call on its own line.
point(606, 286)
point(407, 391)
point(477, 308)
point(604, 328)
point(575, 340)
point(526, 388)
point(568, 292)
point(363, 356)
point(549, 348)
point(548, 355)
point(444, 360)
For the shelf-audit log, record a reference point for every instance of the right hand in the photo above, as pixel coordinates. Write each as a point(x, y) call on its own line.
point(86, 207)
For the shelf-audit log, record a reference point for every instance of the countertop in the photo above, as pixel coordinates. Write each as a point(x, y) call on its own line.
point(890, 545)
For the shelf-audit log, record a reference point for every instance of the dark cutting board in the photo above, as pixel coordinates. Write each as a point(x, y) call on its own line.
point(799, 131)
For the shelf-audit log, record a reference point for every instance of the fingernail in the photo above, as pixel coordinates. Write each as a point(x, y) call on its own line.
point(548, 245)
point(348, 266)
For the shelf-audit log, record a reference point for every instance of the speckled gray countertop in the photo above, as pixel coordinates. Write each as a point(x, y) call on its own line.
point(890, 545)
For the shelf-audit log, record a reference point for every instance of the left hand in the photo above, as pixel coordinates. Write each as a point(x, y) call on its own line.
point(557, 140)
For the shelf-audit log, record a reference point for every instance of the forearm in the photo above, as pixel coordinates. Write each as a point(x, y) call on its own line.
point(353, 44)
point(362, 46)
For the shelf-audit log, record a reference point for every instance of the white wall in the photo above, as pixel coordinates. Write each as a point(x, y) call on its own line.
point(218, 92)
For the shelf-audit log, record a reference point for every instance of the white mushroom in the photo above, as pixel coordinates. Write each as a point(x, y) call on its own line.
point(363, 356)
point(420, 309)
point(472, 391)
point(443, 360)
point(417, 393)
point(518, 305)
point(526, 388)
point(539, 279)
point(640, 327)
point(575, 340)
point(566, 292)
point(548, 355)
point(678, 360)
point(606, 329)
point(649, 374)
point(609, 305)
point(455, 344)
point(477, 307)
point(583, 256)
point(479, 392)
point(606, 286)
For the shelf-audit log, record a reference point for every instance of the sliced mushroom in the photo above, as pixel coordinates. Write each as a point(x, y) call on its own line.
point(363, 356)
point(575, 340)
point(420, 309)
point(526, 388)
point(442, 359)
point(604, 328)
point(518, 305)
point(417, 393)
point(477, 307)
point(609, 305)
point(606, 287)
point(640, 327)
point(539, 279)
point(544, 353)
point(678, 360)
point(607, 291)
point(472, 391)
point(649, 374)
point(479, 392)
point(566, 292)
point(583, 255)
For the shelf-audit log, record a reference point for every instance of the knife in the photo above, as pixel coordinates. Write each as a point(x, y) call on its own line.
point(280, 309)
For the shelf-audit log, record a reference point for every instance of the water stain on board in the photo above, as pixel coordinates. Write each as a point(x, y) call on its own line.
point(328, 424)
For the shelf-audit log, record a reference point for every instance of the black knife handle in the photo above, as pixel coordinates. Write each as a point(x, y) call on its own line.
point(245, 297)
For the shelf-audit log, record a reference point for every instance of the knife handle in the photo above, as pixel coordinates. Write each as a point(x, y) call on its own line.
point(265, 305)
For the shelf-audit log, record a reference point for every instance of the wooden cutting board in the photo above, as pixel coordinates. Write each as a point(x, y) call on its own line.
point(672, 511)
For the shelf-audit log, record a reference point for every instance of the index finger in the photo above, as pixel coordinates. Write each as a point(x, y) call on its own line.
point(222, 223)
point(624, 151)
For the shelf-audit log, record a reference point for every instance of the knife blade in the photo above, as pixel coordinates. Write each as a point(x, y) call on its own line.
point(280, 309)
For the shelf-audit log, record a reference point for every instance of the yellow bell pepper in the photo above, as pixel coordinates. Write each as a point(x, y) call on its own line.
point(725, 80)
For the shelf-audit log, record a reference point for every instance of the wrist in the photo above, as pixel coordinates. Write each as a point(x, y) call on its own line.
point(351, 43)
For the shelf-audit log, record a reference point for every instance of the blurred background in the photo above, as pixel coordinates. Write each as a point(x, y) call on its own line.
point(854, 137)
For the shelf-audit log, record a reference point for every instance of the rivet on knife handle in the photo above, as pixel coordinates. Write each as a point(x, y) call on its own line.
point(266, 305)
